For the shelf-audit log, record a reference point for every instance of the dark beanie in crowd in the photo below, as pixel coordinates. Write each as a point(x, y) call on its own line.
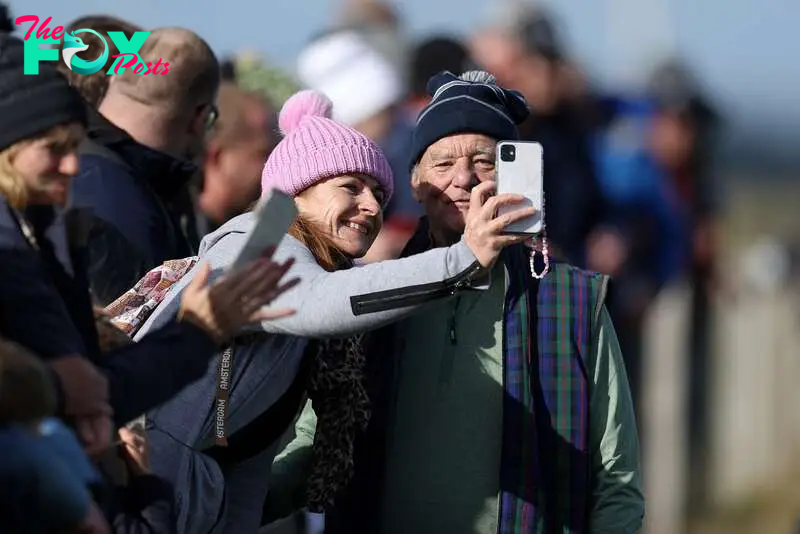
point(433, 56)
point(470, 103)
point(31, 104)
point(6, 25)
point(539, 36)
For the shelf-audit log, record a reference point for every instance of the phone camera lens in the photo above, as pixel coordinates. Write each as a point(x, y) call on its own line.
point(508, 153)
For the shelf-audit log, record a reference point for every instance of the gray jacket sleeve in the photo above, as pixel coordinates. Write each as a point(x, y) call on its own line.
point(322, 298)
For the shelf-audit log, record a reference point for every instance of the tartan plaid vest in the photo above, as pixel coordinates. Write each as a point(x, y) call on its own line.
point(545, 477)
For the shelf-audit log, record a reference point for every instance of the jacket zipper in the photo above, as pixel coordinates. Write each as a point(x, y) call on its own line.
point(412, 295)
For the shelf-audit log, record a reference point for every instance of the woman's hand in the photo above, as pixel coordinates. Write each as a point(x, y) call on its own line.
point(237, 298)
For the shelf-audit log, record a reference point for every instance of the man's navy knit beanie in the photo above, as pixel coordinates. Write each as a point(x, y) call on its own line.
point(470, 103)
point(31, 104)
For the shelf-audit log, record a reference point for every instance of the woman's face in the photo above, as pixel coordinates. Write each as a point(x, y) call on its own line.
point(48, 163)
point(347, 209)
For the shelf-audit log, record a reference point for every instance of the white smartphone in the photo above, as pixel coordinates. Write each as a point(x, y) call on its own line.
point(276, 213)
point(519, 171)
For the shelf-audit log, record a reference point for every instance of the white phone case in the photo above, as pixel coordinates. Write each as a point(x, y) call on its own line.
point(522, 176)
point(275, 213)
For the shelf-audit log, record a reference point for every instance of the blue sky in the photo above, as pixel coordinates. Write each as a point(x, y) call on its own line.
point(745, 48)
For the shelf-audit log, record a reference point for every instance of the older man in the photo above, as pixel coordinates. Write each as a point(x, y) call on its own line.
point(504, 409)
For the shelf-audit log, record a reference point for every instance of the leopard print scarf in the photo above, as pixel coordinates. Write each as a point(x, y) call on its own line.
point(339, 396)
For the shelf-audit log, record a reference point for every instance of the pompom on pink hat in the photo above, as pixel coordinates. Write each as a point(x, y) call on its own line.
point(315, 147)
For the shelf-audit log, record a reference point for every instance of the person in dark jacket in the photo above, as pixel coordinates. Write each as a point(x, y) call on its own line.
point(45, 303)
point(531, 58)
point(139, 159)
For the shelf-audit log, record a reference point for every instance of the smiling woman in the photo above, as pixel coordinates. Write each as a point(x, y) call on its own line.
point(340, 210)
point(39, 170)
point(342, 217)
point(341, 181)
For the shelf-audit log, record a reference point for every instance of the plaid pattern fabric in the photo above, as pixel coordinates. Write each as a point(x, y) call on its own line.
point(130, 311)
point(545, 480)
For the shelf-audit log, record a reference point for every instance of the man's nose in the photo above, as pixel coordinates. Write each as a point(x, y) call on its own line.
point(464, 177)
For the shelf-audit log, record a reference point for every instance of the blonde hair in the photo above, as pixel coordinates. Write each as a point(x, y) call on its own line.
point(12, 183)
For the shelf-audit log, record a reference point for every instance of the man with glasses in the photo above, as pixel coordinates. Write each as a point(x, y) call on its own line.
point(142, 151)
point(235, 155)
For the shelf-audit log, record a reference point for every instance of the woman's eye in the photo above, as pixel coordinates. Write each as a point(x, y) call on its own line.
point(352, 188)
point(58, 148)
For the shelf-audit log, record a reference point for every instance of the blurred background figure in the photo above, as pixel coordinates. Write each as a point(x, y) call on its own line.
point(380, 24)
point(682, 141)
point(528, 54)
point(252, 71)
point(431, 56)
point(644, 207)
point(227, 69)
point(243, 137)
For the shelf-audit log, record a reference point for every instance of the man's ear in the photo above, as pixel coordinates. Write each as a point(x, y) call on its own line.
point(213, 153)
point(415, 183)
point(197, 123)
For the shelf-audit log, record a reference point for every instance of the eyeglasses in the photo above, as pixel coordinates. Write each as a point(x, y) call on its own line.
point(211, 118)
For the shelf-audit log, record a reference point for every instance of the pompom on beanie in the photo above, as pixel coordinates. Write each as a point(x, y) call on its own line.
point(315, 147)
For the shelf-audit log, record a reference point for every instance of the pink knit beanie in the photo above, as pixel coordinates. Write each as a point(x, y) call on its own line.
point(314, 147)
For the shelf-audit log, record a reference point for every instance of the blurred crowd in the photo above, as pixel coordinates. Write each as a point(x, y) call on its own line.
point(166, 163)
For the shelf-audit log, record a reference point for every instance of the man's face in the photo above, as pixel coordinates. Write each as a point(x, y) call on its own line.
point(236, 166)
point(447, 172)
point(505, 57)
point(538, 81)
point(671, 140)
